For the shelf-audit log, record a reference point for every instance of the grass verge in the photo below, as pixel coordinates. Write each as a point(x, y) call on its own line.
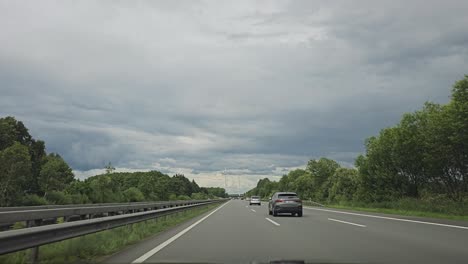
point(90, 248)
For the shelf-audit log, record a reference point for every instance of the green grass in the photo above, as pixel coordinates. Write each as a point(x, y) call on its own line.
point(408, 208)
point(90, 248)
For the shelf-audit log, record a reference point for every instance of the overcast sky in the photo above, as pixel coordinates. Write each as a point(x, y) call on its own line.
point(196, 87)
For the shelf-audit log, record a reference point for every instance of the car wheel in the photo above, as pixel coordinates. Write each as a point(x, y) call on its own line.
point(269, 212)
point(250, 204)
point(274, 212)
point(299, 214)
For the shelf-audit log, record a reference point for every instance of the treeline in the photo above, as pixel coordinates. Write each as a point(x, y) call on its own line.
point(137, 187)
point(30, 176)
point(424, 157)
point(322, 180)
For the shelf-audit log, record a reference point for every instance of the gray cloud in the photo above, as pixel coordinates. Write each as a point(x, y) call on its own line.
point(255, 87)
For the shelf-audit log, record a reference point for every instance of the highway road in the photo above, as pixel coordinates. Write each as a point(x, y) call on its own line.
point(238, 233)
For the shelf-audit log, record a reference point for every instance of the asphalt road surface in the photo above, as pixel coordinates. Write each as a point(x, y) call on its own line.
point(238, 233)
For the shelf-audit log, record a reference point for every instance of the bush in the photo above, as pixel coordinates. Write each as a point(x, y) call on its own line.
point(199, 196)
point(32, 199)
point(172, 197)
point(79, 198)
point(55, 197)
point(133, 194)
point(183, 197)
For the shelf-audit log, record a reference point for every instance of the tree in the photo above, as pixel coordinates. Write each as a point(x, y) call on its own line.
point(215, 191)
point(458, 135)
point(103, 190)
point(409, 149)
point(154, 185)
point(15, 169)
point(55, 174)
point(12, 131)
point(304, 185)
point(321, 170)
point(343, 185)
point(180, 185)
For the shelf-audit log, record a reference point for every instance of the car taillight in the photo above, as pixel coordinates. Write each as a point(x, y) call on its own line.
point(279, 201)
point(298, 201)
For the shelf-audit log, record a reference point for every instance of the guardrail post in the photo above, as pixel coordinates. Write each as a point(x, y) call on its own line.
point(35, 250)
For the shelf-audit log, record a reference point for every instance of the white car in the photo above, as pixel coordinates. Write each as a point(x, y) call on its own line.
point(255, 200)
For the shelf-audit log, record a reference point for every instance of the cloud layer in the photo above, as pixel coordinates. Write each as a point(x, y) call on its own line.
point(253, 87)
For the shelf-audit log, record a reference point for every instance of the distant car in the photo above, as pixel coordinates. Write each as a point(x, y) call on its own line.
point(255, 200)
point(285, 202)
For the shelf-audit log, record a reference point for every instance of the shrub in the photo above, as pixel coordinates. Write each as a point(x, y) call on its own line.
point(55, 197)
point(79, 198)
point(133, 194)
point(33, 199)
point(183, 197)
point(199, 196)
point(172, 197)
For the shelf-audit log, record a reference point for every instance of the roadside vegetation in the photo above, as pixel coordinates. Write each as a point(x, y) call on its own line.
point(417, 167)
point(94, 247)
point(30, 176)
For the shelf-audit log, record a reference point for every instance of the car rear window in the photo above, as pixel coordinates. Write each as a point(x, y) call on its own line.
point(287, 195)
point(255, 197)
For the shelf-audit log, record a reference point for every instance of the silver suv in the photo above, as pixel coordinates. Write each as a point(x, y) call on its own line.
point(255, 200)
point(285, 202)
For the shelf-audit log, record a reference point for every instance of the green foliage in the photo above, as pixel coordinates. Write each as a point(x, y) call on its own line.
point(104, 189)
point(55, 174)
point(79, 198)
point(183, 197)
point(15, 170)
point(419, 164)
point(427, 150)
point(199, 196)
point(56, 197)
point(214, 192)
point(33, 199)
point(13, 131)
point(133, 194)
point(172, 197)
point(343, 185)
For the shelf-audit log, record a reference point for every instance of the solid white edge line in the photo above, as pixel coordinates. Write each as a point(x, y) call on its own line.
point(344, 222)
point(253, 210)
point(155, 250)
point(271, 221)
point(389, 218)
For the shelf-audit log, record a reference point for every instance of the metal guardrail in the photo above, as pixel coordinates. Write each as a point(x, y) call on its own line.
point(15, 240)
point(21, 208)
point(9, 215)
